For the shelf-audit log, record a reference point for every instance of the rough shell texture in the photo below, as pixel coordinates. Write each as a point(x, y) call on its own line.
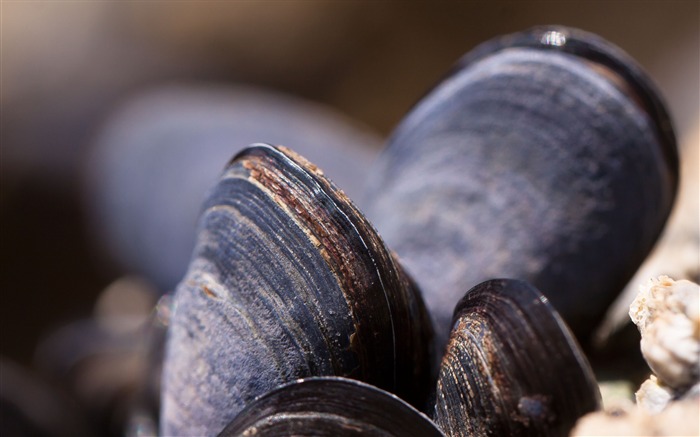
point(545, 156)
point(330, 407)
point(107, 367)
point(110, 362)
point(667, 313)
point(287, 280)
point(652, 396)
point(511, 367)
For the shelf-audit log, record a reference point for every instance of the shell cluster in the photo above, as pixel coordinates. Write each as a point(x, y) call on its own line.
point(511, 205)
point(529, 161)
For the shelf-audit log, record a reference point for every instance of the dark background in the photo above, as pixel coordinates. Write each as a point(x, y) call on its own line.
point(66, 65)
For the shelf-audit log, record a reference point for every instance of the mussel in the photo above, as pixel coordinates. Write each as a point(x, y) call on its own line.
point(330, 406)
point(287, 280)
point(546, 156)
point(511, 367)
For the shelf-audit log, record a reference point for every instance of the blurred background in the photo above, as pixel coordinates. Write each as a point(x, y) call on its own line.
point(70, 68)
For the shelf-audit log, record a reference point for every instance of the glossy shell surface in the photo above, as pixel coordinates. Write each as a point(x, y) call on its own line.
point(330, 407)
point(511, 367)
point(288, 280)
point(545, 156)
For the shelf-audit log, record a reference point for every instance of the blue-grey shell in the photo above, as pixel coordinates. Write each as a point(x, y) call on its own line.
point(545, 156)
point(287, 281)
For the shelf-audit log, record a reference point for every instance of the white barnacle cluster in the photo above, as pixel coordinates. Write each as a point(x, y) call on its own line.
point(667, 313)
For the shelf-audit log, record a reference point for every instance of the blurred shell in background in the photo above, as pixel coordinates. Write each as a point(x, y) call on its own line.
point(156, 159)
point(30, 406)
point(111, 361)
point(66, 64)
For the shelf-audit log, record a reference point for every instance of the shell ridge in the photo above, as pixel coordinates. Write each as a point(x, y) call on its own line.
point(318, 189)
point(314, 292)
point(310, 302)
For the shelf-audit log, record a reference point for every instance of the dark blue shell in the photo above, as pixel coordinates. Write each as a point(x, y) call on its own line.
point(330, 406)
point(545, 156)
point(512, 367)
point(287, 281)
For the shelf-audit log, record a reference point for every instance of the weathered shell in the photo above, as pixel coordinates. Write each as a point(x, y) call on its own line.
point(155, 159)
point(545, 156)
point(511, 367)
point(287, 280)
point(330, 406)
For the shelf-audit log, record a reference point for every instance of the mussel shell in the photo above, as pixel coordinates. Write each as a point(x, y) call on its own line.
point(609, 60)
point(511, 367)
point(288, 280)
point(545, 156)
point(330, 406)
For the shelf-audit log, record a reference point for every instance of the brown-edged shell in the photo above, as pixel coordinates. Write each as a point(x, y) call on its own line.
point(512, 368)
point(287, 280)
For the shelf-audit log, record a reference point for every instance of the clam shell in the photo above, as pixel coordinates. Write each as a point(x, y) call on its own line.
point(511, 367)
point(287, 280)
point(545, 156)
point(330, 406)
